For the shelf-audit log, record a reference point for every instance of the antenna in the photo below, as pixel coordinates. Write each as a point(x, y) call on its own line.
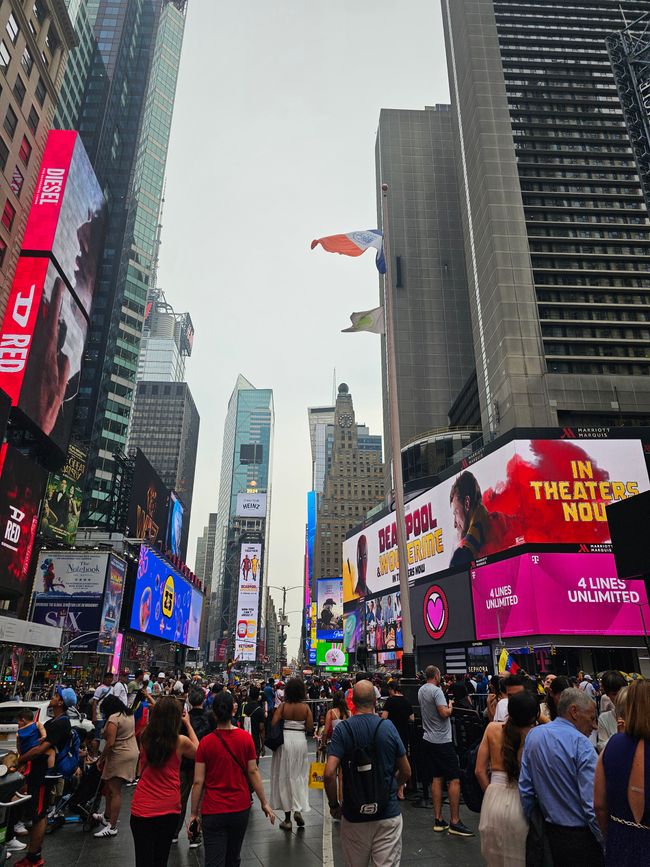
point(334, 387)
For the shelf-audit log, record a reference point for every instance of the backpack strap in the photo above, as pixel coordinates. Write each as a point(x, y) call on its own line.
point(232, 755)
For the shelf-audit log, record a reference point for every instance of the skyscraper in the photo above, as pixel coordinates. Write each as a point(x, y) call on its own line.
point(322, 431)
point(167, 341)
point(204, 564)
point(125, 120)
point(246, 465)
point(78, 64)
point(556, 226)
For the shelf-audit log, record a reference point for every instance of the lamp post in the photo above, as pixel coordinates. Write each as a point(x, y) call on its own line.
point(283, 618)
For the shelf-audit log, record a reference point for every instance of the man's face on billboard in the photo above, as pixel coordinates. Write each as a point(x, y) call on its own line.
point(460, 510)
point(64, 485)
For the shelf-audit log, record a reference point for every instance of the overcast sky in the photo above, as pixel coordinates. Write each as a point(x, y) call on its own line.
point(273, 145)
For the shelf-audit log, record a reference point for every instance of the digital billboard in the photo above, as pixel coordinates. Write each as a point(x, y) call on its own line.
point(354, 626)
point(528, 491)
point(175, 526)
point(69, 592)
point(22, 485)
point(331, 656)
point(329, 625)
point(246, 624)
point(384, 622)
point(551, 593)
point(110, 618)
point(62, 504)
point(163, 604)
point(251, 506)
point(441, 611)
point(147, 515)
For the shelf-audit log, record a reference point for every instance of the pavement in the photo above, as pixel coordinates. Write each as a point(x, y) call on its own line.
point(315, 845)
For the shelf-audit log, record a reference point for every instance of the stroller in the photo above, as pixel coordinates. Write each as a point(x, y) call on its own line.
point(10, 782)
point(78, 805)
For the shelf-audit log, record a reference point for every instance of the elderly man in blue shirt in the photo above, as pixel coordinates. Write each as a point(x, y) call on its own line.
point(557, 772)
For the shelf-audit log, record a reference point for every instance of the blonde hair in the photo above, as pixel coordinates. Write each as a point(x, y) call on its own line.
point(637, 718)
point(621, 703)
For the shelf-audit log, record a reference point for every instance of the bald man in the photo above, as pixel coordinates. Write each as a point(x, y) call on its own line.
point(377, 837)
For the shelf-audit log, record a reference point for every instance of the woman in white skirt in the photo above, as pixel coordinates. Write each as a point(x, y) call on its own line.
point(290, 765)
point(503, 826)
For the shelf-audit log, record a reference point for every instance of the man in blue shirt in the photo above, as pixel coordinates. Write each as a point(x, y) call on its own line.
point(379, 838)
point(557, 772)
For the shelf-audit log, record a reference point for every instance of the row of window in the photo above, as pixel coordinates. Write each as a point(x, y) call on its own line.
point(607, 333)
point(573, 313)
point(553, 296)
point(600, 351)
point(626, 218)
point(561, 246)
point(594, 265)
point(574, 279)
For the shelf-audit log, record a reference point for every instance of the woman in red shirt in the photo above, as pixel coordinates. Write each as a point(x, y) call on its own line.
point(156, 805)
point(225, 769)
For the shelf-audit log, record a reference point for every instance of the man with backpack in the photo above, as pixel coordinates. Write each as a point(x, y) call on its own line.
point(373, 761)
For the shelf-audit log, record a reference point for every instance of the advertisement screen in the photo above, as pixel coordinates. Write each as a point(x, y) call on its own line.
point(629, 521)
point(162, 603)
point(329, 625)
point(68, 592)
point(354, 626)
point(112, 608)
point(528, 491)
point(250, 577)
point(384, 622)
point(441, 611)
point(22, 484)
point(175, 526)
point(62, 504)
point(195, 618)
point(251, 506)
point(331, 656)
point(148, 504)
point(561, 594)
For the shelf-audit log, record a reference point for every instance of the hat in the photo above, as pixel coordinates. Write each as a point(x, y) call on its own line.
point(588, 677)
point(161, 674)
point(67, 695)
point(329, 601)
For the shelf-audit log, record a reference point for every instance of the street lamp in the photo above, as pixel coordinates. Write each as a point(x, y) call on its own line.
point(283, 619)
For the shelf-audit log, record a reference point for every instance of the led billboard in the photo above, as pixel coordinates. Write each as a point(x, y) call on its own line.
point(528, 491)
point(332, 657)
point(147, 515)
point(329, 625)
point(557, 594)
point(354, 626)
point(246, 624)
point(384, 622)
point(62, 504)
point(175, 526)
point(110, 619)
point(251, 506)
point(163, 604)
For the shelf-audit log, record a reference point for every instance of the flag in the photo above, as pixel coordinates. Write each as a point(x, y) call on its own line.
point(507, 663)
point(354, 244)
point(367, 320)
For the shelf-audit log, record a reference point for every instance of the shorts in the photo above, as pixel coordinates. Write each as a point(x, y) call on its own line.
point(40, 791)
point(440, 760)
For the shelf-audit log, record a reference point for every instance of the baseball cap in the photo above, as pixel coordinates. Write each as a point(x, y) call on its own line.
point(161, 674)
point(588, 677)
point(68, 695)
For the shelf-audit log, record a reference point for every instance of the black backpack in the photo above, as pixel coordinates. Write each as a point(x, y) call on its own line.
point(365, 793)
point(469, 786)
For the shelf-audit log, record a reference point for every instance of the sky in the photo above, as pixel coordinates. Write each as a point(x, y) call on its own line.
point(272, 145)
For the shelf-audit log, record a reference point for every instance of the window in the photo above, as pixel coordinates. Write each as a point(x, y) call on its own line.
point(27, 61)
point(3, 250)
point(17, 181)
point(25, 151)
point(11, 121)
point(39, 11)
point(12, 28)
point(32, 120)
point(8, 215)
point(52, 40)
point(4, 154)
point(41, 92)
point(19, 90)
point(5, 57)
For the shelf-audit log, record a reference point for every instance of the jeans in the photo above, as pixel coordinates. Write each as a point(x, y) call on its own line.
point(223, 835)
point(153, 839)
point(574, 847)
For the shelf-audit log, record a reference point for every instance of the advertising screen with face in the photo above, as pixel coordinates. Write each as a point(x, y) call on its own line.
point(354, 626)
point(250, 577)
point(162, 603)
point(175, 526)
point(112, 608)
point(331, 656)
point(147, 518)
point(556, 594)
point(528, 491)
point(62, 504)
point(384, 622)
point(22, 484)
point(329, 623)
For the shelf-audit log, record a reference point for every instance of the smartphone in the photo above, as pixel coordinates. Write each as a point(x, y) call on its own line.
point(193, 830)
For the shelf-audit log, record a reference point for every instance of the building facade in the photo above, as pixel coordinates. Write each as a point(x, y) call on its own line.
point(35, 39)
point(556, 227)
point(322, 430)
point(167, 340)
point(354, 484)
point(78, 64)
point(203, 568)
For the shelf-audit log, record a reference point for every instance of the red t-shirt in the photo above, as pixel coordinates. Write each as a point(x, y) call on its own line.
point(226, 780)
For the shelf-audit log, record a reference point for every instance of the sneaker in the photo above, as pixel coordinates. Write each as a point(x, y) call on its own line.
point(15, 845)
point(19, 828)
point(440, 825)
point(286, 826)
point(174, 839)
point(106, 831)
point(196, 842)
point(300, 822)
point(460, 830)
point(98, 817)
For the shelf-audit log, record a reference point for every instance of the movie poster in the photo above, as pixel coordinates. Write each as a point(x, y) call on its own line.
point(329, 625)
point(250, 577)
point(62, 504)
point(110, 620)
point(384, 622)
point(148, 513)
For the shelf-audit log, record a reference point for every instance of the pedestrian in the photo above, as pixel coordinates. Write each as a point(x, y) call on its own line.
point(105, 688)
point(269, 697)
point(557, 772)
point(254, 718)
point(513, 684)
point(202, 724)
point(156, 805)
point(134, 687)
point(290, 763)
point(398, 710)
point(376, 837)
point(587, 686)
point(610, 683)
point(336, 714)
point(120, 687)
point(496, 691)
point(622, 785)
point(503, 826)
point(613, 684)
point(554, 690)
point(118, 762)
point(225, 771)
point(439, 753)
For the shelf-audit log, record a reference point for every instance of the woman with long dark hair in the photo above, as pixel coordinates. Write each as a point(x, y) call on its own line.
point(503, 826)
point(224, 772)
point(118, 761)
point(156, 805)
point(290, 764)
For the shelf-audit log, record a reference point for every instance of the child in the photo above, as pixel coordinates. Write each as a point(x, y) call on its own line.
point(30, 734)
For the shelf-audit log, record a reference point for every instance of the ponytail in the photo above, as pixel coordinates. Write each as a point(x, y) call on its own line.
point(510, 749)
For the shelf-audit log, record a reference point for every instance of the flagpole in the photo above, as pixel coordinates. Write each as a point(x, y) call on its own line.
point(408, 658)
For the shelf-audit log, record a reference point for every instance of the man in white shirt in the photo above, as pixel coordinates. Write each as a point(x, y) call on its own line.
point(587, 686)
point(105, 688)
point(514, 684)
point(120, 687)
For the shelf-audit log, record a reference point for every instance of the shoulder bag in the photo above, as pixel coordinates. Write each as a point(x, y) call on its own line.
point(275, 734)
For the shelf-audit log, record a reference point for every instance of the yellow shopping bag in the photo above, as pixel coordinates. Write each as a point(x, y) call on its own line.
point(316, 774)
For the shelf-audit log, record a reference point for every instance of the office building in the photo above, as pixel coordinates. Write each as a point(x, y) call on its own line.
point(322, 434)
point(415, 156)
point(125, 120)
point(35, 39)
point(354, 484)
point(246, 465)
point(167, 340)
point(203, 569)
point(78, 64)
point(556, 226)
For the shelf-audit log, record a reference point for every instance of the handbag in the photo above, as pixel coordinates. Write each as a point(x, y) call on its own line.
point(275, 734)
point(316, 775)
